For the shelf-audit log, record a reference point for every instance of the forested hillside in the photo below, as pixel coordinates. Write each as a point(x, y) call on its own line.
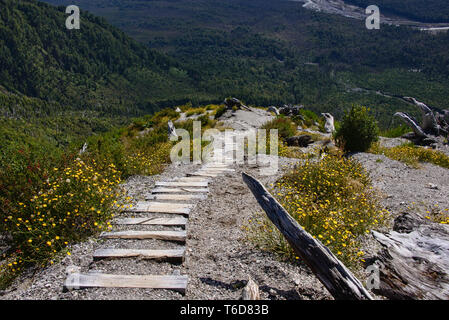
point(97, 68)
point(272, 52)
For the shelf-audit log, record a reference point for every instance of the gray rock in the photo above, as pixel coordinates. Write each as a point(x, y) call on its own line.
point(432, 186)
point(299, 141)
point(274, 110)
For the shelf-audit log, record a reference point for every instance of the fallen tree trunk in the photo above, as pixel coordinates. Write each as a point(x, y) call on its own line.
point(411, 123)
point(340, 282)
point(414, 260)
point(433, 124)
point(171, 130)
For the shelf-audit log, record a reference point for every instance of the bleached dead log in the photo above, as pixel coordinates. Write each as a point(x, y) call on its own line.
point(433, 123)
point(411, 123)
point(446, 116)
point(429, 123)
point(329, 126)
point(290, 110)
point(340, 282)
point(171, 130)
point(251, 291)
point(274, 110)
point(415, 260)
point(234, 102)
point(83, 149)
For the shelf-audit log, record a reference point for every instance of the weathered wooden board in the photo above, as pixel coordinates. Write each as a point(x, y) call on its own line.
point(181, 184)
point(196, 179)
point(161, 207)
point(176, 197)
point(213, 168)
point(157, 204)
point(97, 280)
point(205, 171)
point(217, 164)
point(221, 169)
point(171, 255)
point(199, 174)
point(179, 190)
point(220, 161)
point(172, 221)
point(209, 174)
point(160, 235)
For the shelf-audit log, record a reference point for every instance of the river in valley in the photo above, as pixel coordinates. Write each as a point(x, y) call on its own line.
point(355, 12)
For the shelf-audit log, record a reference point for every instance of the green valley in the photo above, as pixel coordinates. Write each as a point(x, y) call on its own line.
point(274, 52)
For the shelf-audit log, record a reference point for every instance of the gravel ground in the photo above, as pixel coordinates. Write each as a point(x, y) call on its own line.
point(405, 188)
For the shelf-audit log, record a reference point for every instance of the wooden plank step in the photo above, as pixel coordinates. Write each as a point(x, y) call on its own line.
point(211, 168)
point(98, 280)
point(172, 255)
point(196, 179)
point(196, 174)
point(219, 160)
point(216, 164)
point(176, 197)
point(159, 235)
point(181, 184)
point(161, 207)
point(213, 172)
point(178, 190)
point(157, 204)
point(174, 221)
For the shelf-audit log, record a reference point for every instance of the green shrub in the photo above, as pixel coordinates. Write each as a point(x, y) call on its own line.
point(286, 128)
point(206, 122)
point(395, 132)
point(220, 111)
point(358, 130)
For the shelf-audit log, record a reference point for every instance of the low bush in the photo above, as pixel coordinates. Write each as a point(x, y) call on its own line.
point(395, 132)
point(195, 111)
point(286, 128)
point(412, 155)
point(358, 130)
point(220, 111)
